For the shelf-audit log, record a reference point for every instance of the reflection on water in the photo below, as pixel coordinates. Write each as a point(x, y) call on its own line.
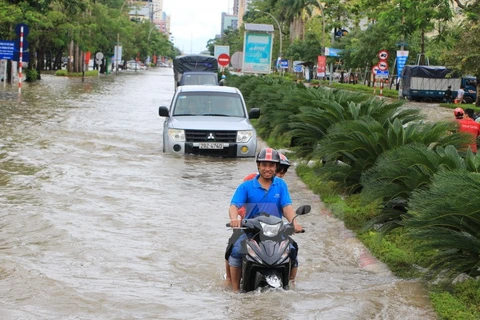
point(97, 223)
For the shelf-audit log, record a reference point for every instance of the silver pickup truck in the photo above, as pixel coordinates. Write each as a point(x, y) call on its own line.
point(209, 120)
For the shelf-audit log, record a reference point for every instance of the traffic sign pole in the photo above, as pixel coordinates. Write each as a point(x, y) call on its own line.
point(20, 61)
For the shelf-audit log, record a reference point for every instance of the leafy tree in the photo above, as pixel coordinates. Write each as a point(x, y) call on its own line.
point(465, 55)
point(306, 50)
point(294, 13)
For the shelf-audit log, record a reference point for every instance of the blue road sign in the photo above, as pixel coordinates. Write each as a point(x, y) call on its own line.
point(284, 64)
point(382, 74)
point(25, 56)
point(7, 48)
point(402, 57)
point(18, 28)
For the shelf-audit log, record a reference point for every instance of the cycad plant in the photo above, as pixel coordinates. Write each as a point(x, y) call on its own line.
point(352, 147)
point(269, 97)
point(445, 219)
point(313, 121)
point(400, 171)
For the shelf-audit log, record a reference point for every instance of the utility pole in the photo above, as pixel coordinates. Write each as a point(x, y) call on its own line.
point(279, 32)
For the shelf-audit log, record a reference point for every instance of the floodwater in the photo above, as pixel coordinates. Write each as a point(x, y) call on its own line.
point(97, 223)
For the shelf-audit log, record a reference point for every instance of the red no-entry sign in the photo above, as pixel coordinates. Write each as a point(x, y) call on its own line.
point(224, 59)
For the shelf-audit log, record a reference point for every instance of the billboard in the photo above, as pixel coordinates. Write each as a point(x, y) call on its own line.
point(218, 50)
point(257, 48)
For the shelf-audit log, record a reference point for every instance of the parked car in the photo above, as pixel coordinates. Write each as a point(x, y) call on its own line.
point(209, 120)
point(136, 65)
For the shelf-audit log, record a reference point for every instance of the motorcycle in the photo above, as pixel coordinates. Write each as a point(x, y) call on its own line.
point(266, 261)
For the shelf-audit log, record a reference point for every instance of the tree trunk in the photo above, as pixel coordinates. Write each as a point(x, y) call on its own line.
point(70, 56)
point(77, 58)
point(477, 103)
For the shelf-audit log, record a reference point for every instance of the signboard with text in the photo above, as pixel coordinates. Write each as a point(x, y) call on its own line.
point(321, 66)
point(257, 56)
point(332, 52)
point(284, 64)
point(7, 49)
point(381, 74)
point(402, 56)
point(218, 50)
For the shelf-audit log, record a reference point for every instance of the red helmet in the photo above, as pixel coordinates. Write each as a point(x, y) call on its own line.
point(268, 155)
point(284, 160)
point(458, 112)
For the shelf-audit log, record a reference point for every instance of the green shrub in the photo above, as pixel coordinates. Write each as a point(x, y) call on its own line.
point(65, 73)
point(31, 75)
point(462, 303)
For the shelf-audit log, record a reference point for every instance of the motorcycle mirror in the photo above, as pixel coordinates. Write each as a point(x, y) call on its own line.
point(303, 209)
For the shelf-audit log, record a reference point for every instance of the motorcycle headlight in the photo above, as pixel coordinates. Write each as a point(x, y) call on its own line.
point(270, 230)
point(252, 254)
point(177, 134)
point(244, 136)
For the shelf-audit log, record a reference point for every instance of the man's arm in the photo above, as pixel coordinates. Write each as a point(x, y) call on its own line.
point(289, 214)
point(233, 214)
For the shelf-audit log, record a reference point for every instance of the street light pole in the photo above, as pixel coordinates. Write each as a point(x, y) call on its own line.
point(323, 26)
point(279, 31)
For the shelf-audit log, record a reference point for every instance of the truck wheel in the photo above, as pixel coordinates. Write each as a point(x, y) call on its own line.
point(468, 100)
point(427, 100)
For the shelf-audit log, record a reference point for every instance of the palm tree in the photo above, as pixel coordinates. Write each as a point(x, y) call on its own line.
point(294, 13)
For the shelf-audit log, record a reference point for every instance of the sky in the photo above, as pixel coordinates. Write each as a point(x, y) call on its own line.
point(194, 22)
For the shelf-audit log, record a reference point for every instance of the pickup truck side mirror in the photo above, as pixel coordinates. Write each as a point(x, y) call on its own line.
point(163, 112)
point(254, 113)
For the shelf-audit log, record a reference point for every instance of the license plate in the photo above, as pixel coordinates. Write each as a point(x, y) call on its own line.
point(210, 145)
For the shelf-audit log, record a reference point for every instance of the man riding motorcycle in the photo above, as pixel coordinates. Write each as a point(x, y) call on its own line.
point(265, 193)
point(280, 172)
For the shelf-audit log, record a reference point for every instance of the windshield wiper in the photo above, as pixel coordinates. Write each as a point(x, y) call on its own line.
point(216, 114)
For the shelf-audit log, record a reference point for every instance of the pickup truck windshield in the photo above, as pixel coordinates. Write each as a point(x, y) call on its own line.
point(209, 103)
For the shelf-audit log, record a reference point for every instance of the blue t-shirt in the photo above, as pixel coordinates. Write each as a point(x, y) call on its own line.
point(256, 199)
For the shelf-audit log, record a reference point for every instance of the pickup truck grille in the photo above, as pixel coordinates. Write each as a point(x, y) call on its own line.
point(207, 135)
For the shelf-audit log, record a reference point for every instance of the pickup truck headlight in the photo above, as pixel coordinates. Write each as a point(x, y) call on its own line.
point(177, 134)
point(244, 136)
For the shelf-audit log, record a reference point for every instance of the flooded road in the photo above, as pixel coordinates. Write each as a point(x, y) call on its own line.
point(97, 223)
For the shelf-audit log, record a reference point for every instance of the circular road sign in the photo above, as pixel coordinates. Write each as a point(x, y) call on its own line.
point(99, 55)
point(375, 68)
point(224, 59)
point(382, 65)
point(18, 27)
point(383, 55)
